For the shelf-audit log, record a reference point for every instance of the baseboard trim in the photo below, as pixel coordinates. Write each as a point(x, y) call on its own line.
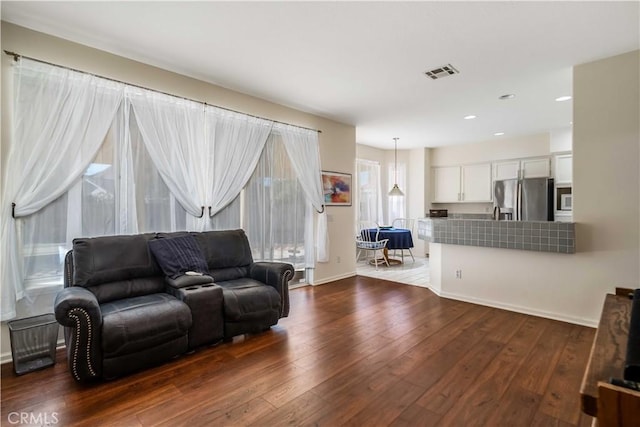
point(333, 278)
point(592, 323)
point(6, 357)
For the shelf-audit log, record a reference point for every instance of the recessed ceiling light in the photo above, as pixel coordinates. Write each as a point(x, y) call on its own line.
point(507, 96)
point(563, 98)
point(499, 133)
point(469, 117)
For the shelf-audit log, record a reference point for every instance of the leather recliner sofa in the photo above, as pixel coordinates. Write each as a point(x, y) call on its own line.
point(122, 313)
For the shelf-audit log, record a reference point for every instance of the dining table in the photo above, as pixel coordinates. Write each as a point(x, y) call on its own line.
point(398, 238)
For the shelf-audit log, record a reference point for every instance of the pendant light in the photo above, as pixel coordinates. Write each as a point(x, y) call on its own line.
point(395, 191)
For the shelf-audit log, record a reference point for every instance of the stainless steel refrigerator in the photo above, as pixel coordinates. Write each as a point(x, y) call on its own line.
point(529, 199)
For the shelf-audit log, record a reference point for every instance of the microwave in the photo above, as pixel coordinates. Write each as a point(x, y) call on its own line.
point(566, 202)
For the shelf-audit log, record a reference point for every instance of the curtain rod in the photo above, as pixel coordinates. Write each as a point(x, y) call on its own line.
point(17, 56)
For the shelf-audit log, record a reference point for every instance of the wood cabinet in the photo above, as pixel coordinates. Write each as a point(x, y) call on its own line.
point(523, 168)
point(609, 404)
point(466, 183)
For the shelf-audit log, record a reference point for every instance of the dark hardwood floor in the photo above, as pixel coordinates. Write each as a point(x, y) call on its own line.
point(360, 352)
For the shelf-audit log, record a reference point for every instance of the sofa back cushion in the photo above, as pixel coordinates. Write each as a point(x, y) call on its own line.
point(225, 249)
point(178, 255)
point(227, 252)
point(116, 266)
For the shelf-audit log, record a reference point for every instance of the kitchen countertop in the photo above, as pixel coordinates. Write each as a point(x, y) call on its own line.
point(539, 236)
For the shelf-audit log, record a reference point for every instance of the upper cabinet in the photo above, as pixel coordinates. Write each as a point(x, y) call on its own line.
point(506, 170)
point(446, 184)
point(524, 168)
point(563, 169)
point(536, 168)
point(466, 183)
point(476, 183)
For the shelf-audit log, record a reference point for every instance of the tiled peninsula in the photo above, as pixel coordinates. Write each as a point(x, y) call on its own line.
point(540, 236)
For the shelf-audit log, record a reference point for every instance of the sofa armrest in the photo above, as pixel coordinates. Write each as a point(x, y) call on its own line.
point(77, 309)
point(277, 275)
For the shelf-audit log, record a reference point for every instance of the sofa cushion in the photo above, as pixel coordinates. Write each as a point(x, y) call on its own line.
point(133, 324)
point(224, 249)
point(112, 291)
point(112, 258)
point(247, 299)
point(177, 255)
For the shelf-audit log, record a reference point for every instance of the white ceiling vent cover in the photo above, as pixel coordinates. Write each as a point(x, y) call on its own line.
point(440, 72)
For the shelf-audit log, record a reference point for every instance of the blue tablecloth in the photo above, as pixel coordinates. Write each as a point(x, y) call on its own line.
point(399, 238)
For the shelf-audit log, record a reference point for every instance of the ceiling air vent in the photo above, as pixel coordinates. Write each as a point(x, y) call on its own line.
point(440, 72)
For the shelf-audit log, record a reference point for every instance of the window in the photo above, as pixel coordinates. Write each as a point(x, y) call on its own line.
point(369, 194)
point(95, 206)
point(275, 208)
point(60, 119)
point(397, 204)
point(271, 208)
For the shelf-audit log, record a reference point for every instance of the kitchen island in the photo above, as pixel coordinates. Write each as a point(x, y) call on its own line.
point(527, 267)
point(539, 236)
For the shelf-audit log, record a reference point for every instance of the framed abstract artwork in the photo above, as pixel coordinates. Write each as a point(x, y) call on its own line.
point(337, 188)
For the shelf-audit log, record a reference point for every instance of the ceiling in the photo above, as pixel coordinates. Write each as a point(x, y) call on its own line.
point(363, 63)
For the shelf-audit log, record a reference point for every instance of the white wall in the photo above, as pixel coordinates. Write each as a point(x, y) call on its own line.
point(499, 148)
point(416, 203)
point(606, 161)
point(561, 140)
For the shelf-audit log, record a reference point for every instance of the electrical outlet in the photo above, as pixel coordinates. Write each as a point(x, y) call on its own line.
point(458, 274)
point(338, 260)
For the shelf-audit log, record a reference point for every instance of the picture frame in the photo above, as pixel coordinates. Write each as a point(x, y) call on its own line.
point(337, 188)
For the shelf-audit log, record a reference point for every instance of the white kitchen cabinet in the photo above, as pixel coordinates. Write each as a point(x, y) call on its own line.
point(476, 183)
point(467, 183)
point(563, 169)
point(446, 184)
point(563, 217)
point(522, 168)
point(506, 170)
point(535, 168)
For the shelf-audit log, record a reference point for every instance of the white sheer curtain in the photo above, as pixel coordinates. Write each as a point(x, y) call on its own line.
point(369, 191)
point(230, 217)
point(82, 162)
point(174, 134)
point(275, 207)
point(304, 152)
point(237, 141)
point(60, 120)
point(156, 208)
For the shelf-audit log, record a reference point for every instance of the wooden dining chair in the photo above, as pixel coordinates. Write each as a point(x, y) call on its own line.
point(367, 241)
point(406, 223)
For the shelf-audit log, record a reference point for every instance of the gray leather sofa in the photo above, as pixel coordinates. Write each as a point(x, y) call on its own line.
point(122, 312)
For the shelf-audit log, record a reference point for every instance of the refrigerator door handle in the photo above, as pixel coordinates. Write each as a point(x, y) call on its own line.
point(518, 213)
